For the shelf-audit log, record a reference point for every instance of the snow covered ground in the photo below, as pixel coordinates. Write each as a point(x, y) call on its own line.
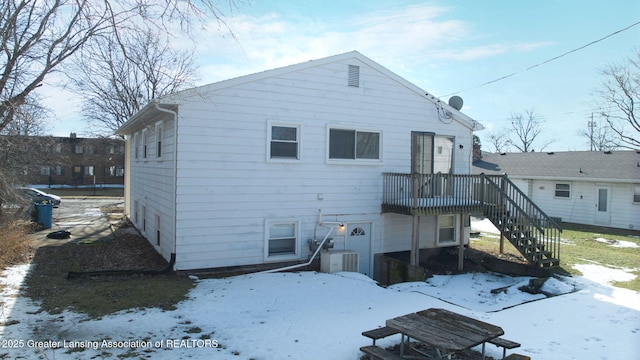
point(312, 315)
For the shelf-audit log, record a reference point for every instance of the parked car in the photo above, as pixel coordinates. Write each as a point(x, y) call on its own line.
point(39, 196)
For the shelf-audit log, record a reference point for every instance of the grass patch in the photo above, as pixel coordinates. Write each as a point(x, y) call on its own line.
point(102, 295)
point(579, 246)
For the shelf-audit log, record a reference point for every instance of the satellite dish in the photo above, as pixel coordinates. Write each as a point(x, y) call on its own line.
point(455, 102)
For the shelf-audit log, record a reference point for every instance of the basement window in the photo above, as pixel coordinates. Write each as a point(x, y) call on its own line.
point(282, 239)
point(446, 229)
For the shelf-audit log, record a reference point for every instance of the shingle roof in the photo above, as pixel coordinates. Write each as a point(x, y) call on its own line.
point(621, 166)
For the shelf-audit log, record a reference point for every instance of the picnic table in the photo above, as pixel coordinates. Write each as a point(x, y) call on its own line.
point(446, 331)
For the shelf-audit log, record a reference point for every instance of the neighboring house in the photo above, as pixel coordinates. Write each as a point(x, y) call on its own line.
point(583, 187)
point(246, 171)
point(73, 161)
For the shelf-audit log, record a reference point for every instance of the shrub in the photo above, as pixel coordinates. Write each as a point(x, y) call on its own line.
point(15, 245)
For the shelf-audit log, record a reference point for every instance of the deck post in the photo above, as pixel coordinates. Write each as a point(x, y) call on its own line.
point(461, 246)
point(415, 243)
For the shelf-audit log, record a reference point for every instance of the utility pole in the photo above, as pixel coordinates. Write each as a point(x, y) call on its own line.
point(591, 125)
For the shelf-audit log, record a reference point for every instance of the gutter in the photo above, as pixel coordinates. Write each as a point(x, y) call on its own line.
point(174, 191)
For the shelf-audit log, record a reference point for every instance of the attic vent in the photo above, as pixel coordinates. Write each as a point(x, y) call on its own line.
point(354, 75)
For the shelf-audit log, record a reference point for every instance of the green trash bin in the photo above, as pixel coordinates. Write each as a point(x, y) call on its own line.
point(44, 215)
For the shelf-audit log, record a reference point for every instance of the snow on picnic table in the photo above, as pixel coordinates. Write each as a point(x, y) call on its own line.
point(311, 315)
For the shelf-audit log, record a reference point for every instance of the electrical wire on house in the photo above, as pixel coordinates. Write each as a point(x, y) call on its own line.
point(544, 62)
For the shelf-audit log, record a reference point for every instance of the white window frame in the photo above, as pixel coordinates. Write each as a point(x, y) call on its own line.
point(636, 195)
point(454, 227)
point(145, 144)
point(298, 141)
point(159, 137)
point(136, 146)
point(136, 217)
point(555, 190)
point(279, 257)
point(355, 159)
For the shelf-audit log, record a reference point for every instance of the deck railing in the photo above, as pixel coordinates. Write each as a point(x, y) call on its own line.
point(527, 227)
point(430, 194)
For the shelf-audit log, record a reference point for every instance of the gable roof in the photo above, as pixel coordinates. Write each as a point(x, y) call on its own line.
point(173, 99)
point(610, 166)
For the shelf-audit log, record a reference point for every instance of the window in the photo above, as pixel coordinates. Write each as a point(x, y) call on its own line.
point(284, 142)
point(144, 218)
point(159, 136)
point(157, 229)
point(114, 171)
point(136, 145)
point(89, 171)
point(45, 170)
point(282, 238)
point(353, 144)
point(58, 148)
point(563, 190)
point(78, 149)
point(636, 195)
point(145, 143)
point(135, 212)
point(58, 170)
point(446, 229)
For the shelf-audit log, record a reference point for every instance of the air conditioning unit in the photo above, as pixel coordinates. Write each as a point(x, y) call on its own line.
point(339, 260)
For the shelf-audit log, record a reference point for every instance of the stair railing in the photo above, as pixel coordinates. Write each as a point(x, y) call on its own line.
point(509, 204)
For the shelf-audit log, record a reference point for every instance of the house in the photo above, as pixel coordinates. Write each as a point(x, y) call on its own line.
point(264, 168)
point(583, 187)
point(73, 160)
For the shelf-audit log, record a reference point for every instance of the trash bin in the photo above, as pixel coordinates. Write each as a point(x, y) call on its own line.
point(44, 213)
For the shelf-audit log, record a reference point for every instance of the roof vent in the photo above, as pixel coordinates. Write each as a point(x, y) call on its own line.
point(354, 76)
point(551, 153)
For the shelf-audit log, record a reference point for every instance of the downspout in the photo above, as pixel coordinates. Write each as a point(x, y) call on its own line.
point(175, 175)
point(319, 223)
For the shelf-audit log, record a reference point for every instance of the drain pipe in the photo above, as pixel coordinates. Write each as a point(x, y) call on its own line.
point(175, 177)
point(319, 223)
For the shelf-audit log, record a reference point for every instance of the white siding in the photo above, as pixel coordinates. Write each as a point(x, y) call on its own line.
point(227, 190)
point(151, 184)
point(580, 208)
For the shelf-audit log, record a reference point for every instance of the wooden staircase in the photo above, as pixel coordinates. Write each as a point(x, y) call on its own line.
point(523, 223)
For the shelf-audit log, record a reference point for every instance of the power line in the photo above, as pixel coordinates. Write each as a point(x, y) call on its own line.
point(544, 62)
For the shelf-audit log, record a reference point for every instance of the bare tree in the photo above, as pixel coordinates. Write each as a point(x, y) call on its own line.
point(600, 136)
point(117, 75)
point(499, 141)
point(620, 93)
point(37, 36)
point(526, 128)
point(29, 119)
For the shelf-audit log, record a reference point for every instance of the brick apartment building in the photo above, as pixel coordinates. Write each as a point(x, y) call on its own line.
point(72, 160)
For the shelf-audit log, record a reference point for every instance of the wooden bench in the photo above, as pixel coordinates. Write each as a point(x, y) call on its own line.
point(505, 344)
point(379, 333)
point(376, 352)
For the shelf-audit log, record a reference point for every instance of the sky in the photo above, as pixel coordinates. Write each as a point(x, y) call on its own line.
point(444, 47)
point(310, 315)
